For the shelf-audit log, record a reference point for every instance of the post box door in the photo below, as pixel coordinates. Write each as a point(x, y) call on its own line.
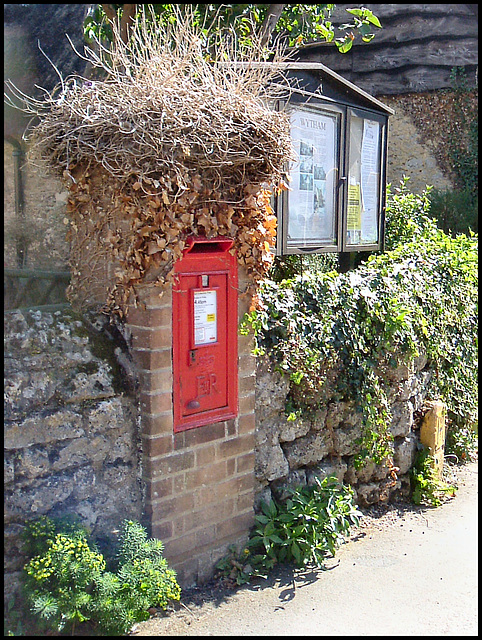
point(204, 346)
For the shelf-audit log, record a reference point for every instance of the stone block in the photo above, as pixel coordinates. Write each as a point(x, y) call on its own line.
point(402, 419)
point(405, 451)
point(329, 467)
point(309, 449)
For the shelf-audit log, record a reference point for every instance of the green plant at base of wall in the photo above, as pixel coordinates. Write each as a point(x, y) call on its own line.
point(66, 582)
point(306, 528)
point(426, 486)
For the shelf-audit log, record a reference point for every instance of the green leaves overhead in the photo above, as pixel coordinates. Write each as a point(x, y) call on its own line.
point(295, 24)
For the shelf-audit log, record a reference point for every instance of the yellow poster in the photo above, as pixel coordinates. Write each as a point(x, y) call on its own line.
point(354, 208)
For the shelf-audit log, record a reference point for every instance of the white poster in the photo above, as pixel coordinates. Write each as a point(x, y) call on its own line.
point(370, 179)
point(311, 199)
point(205, 317)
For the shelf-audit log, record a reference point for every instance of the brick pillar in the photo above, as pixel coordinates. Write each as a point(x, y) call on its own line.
point(199, 483)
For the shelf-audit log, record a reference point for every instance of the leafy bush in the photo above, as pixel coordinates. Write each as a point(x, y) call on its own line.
point(143, 580)
point(426, 486)
point(310, 525)
point(66, 582)
point(456, 211)
point(304, 529)
point(419, 297)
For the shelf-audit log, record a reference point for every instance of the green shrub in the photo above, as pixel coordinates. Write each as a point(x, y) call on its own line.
point(66, 582)
point(305, 529)
point(426, 487)
point(456, 211)
point(310, 525)
point(419, 297)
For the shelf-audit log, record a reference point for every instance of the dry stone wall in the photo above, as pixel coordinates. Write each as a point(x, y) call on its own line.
point(73, 443)
point(70, 444)
point(292, 452)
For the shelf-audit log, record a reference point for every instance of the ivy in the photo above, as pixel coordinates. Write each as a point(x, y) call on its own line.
point(420, 297)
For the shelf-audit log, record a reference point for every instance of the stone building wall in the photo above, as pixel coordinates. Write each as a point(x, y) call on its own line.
point(410, 154)
point(44, 209)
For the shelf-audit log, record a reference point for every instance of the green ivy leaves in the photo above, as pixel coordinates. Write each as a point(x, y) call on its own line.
point(420, 297)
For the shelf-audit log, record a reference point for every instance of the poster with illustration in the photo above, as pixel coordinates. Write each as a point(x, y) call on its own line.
point(312, 195)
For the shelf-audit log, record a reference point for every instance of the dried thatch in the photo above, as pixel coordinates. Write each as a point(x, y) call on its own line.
point(192, 146)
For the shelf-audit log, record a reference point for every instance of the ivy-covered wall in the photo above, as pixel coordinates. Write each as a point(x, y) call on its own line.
point(291, 451)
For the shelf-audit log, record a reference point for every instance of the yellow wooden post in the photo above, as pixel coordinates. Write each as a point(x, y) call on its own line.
point(432, 433)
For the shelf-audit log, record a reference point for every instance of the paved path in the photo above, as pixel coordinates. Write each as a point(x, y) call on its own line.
point(412, 573)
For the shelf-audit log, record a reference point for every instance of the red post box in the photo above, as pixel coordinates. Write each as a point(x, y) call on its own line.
point(205, 322)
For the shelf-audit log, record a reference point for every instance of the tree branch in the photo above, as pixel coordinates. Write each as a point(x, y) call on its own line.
point(269, 23)
point(128, 14)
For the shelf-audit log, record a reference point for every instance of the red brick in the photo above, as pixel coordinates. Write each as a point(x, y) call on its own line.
point(199, 435)
point(150, 338)
point(156, 403)
point(148, 318)
point(175, 462)
point(206, 536)
point(153, 447)
point(246, 385)
point(246, 423)
point(157, 380)
point(231, 467)
point(205, 455)
point(152, 359)
point(213, 473)
point(244, 502)
point(158, 489)
point(245, 344)
point(224, 490)
point(153, 300)
point(162, 530)
point(179, 547)
point(169, 508)
point(245, 463)
point(166, 465)
point(180, 483)
point(208, 515)
point(231, 427)
point(235, 526)
point(246, 365)
point(236, 446)
point(247, 403)
point(157, 425)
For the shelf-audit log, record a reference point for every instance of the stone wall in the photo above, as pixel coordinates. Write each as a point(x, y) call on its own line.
point(291, 453)
point(71, 443)
point(87, 436)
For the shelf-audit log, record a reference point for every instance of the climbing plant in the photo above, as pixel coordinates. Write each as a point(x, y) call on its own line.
point(420, 297)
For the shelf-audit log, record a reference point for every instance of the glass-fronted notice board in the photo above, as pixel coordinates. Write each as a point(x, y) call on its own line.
point(335, 197)
point(312, 198)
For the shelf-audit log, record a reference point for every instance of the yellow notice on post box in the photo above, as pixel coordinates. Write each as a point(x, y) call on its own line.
point(205, 325)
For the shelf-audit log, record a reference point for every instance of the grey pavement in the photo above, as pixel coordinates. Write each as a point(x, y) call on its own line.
point(411, 572)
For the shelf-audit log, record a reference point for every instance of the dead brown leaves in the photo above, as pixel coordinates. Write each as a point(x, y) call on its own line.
point(136, 230)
